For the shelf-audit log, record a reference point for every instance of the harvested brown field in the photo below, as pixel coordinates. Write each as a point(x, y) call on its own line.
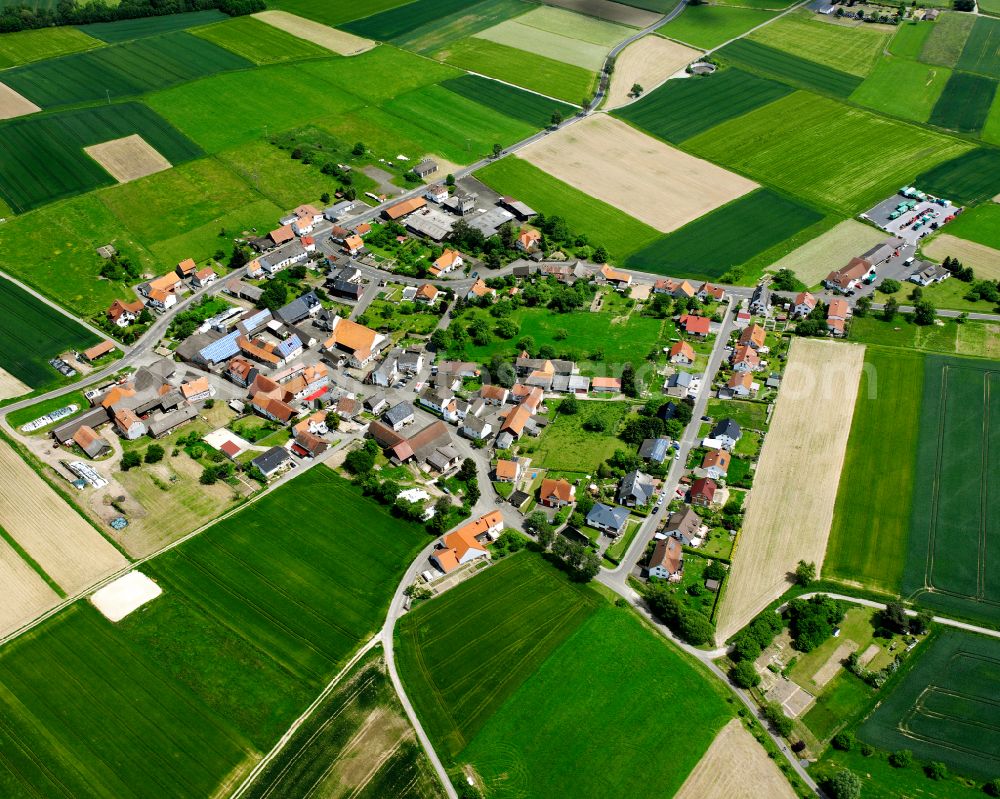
point(23, 594)
point(790, 508)
point(817, 258)
point(985, 260)
point(648, 62)
point(70, 551)
point(613, 12)
point(735, 767)
point(332, 39)
point(13, 104)
point(657, 184)
point(129, 158)
point(10, 386)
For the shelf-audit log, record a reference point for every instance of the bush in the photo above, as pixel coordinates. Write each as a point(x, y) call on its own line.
point(745, 675)
point(901, 758)
point(844, 741)
point(867, 750)
point(890, 286)
point(936, 771)
point(130, 460)
point(992, 788)
point(154, 454)
point(359, 461)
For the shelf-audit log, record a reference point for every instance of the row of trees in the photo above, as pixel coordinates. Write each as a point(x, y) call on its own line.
point(23, 16)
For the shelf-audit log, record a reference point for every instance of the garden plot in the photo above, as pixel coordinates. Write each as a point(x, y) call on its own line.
point(984, 260)
point(649, 180)
point(807, 438)
point(66, 547)
point(128, 158)
point(25, 594)
point(814, 260)
point(648, 62)
point(332, 39)
point(13, 104)
point(735, 767)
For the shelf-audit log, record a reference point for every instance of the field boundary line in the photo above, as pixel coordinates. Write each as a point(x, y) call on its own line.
point(283, 741)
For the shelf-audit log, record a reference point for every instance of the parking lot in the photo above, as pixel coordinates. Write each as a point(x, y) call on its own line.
point(930, 214)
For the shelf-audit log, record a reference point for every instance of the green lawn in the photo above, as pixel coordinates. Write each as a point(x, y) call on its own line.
point(551, 737)
point(748, 415)
point(786, 144)
point(965, 103)
point(909, 39)
point(535, 72)
point(790, 67)
point(727, 237)
point(462, 656)
point(33, 332)
point(708, 26)
point(955, 524)
point(946, 41)
point(853, 50)
point(603, 224)
point(982, 49)
point(903, 88)
point(565, 446)
point(23, 47)
point(871, 520)
point(259, 42)
point(944, 706)
point(981, 224)
point(680, 109)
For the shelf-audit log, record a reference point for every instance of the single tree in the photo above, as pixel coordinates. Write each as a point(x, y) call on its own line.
point(924, 313)
point(154, 454)
point(130, 460)
point(636, 90)
point(497, 150)
point(556, 119)
point(890, 310)
point(844, 785)
point(805, 573)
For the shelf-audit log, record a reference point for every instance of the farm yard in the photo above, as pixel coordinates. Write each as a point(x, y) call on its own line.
point(566, 640)
point(680, 109)
point(799, 161)
point(650, 181)
point(808, 438)
point(647, 62)
point(35, 332)
point(883, 427)
point(727, 238)
point(954, 511)
point(943, 708)
point(187, 682)
point(359, 740)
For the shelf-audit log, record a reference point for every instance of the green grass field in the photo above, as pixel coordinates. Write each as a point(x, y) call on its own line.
point(680, 109)
point(24, 47)
point(122, 70)
point(969, 177)
point(965, 103)
point(727, 237)
point(535, 72)
point(790, 68)
point(956, 513)
point(334, 12)
point(259, 42)
point(708, 26)
point(802, 33)
point(603, 224)
point(982, 49)
point(944, 708)
point(398, 21)
point(871, 521)
point(566, 447)
point(128, 29)
point(551, 737)
point(44, 158)
point(748, 415)
point(903, 88)
point(946, 41)
point(786, 144)
point(909, 39)
point(459, 25)
point(465, 129)
point(981, 224)
point(462, 657)
point(33, 332)
point(517, 103)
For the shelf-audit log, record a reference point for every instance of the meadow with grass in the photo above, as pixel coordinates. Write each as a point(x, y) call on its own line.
point(582, 441)
point(903, 88)
point(23, 47)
